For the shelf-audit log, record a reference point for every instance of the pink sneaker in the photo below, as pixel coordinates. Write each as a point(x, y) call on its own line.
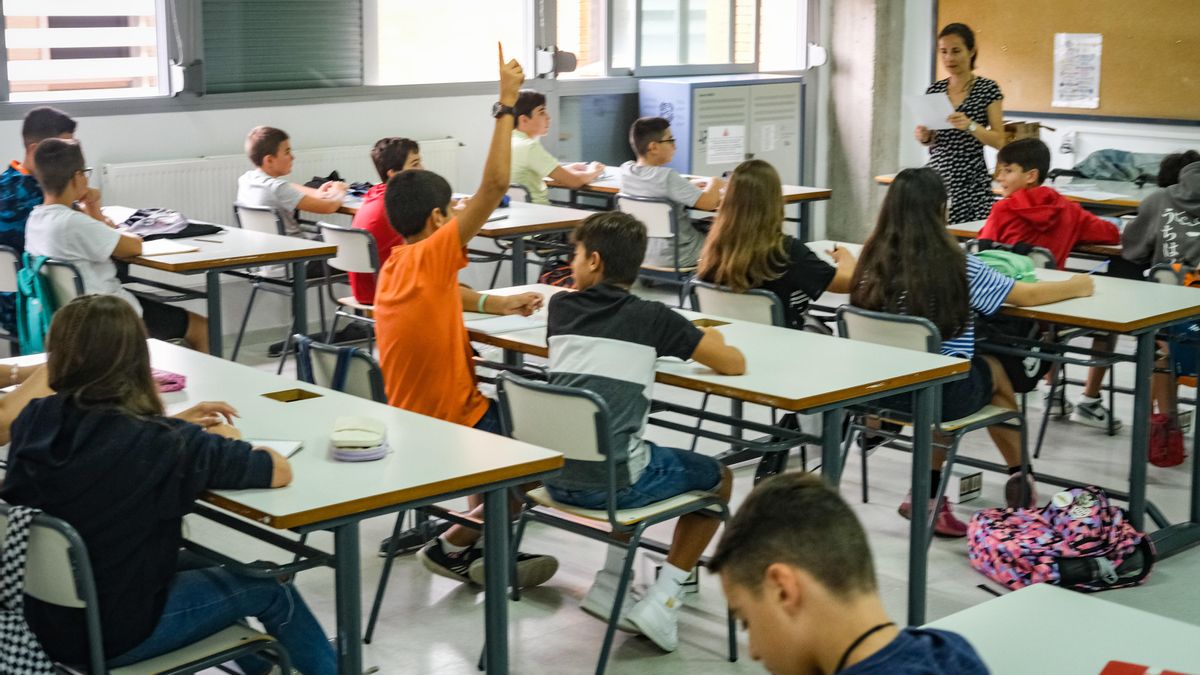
point(944, 525)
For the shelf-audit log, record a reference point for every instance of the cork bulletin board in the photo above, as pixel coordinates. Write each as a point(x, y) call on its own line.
point(1150, 63)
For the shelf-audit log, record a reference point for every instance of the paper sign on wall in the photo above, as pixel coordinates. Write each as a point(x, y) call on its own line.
point(770, 136)
point(1077, 70)
point(726, 144)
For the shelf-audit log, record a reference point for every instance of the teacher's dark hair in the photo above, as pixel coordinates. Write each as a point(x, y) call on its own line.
point(963, 31)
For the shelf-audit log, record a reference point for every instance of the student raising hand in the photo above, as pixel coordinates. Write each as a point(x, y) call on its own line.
point(511, 78)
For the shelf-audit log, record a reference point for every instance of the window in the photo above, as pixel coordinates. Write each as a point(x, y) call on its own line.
point(448, 40)
point(84, 49)
point(697, 32)
point(781, 42)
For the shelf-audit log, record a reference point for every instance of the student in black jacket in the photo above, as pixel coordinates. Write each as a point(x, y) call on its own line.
point(101, 455)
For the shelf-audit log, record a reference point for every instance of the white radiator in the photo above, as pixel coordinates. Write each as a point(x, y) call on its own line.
point(204, 188)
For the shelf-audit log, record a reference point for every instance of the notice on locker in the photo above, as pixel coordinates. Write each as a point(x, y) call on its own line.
point(726, 144)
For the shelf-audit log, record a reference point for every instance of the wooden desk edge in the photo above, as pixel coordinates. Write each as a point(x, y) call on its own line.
point(1111, 326)
point(368, 504)
point(284, 256)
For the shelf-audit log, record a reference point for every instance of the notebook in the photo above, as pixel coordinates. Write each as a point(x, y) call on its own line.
point(165, 247)
point(285, 448)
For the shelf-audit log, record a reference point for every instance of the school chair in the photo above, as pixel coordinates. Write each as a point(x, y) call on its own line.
point(757, 305)
point(356, 253)
point(267, 220)
point(918, 334)
point(10, 262)
point(661, 219)
point(340, 368)
point(518, 193)
point(576, 423)
point(65, 282)
point(58, 572)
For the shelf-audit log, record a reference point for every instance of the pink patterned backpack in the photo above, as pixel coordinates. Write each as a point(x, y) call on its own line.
point(1077, 541)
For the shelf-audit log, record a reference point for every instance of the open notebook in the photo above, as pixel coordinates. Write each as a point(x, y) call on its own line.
point(166, 247)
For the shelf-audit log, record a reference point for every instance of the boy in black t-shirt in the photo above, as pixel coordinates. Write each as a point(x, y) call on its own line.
point(797, 571)
point(607, 340)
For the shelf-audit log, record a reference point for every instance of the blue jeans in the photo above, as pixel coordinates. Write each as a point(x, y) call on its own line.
point(490, 422)
point(201, 602)
point(670, 472)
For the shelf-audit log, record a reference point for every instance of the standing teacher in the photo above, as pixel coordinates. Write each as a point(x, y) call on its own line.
point(957, 154)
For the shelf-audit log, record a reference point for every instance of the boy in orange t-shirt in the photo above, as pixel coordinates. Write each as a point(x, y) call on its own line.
point(423, 347)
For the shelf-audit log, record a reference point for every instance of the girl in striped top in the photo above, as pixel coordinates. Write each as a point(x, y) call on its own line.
point(911, 265)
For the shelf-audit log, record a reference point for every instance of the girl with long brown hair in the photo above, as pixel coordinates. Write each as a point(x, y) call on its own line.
point(101, 455)
point(747, 248)
point(911, 265)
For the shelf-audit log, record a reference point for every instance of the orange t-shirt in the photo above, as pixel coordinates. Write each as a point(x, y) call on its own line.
point(423, 346)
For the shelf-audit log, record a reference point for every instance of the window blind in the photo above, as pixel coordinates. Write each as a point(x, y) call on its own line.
point(268, 45)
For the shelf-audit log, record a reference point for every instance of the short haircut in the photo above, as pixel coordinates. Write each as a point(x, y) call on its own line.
point(46, 122)
point(263, 141)
point(527, 101)
point(620, 239)
point(411, 196)
point(390, 154)
point(1168, 170)
point(56, 161)
point(1029, 154)
point(797, 520)
point(644, 131)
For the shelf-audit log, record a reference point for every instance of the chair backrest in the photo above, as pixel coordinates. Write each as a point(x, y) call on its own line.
point(356, 250)
point(10, 262)
point(65, 282)
point(59, 572)
point(258, 219)
point(1043, 258)
point(757, 304)
point(658, 215)
point(894, 330)
point(519, 193)
point(565, 419)
point(1166, 273)
point(345, 369)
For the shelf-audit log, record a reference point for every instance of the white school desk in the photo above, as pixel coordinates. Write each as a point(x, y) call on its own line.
point(1047, 629)
point(237, 249)
point(971, 231)
point(430, 461)
point(1131, 195)
point(796, 371)
point(516, 223)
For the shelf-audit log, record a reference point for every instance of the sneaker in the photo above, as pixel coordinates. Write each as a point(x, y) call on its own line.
point(1094, 414)
point(1166, 442)
point(945, 525)
point(1012, 492)
point(602, 596)
point(533, 569)
point(450, 565)
point(657, 617)
point(1060, 406)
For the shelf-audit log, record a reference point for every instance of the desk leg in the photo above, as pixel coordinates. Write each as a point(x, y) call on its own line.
point(300, 298)
point(831, 446)
point(348, 590)
point(804, 232)
point(918, 533)
point(518, 261)
point(215, 345)
point(495, 561)
point(1140, 441)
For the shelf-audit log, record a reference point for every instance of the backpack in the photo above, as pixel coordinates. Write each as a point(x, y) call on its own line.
point(1077, 541)
point(35, 304)
point(1010, 264)
point(20, 651)
point(1011, 331)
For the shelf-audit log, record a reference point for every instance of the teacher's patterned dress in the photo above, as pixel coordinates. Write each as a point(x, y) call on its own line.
point(958, 155)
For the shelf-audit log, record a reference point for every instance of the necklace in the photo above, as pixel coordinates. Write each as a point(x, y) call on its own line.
point(854, 645)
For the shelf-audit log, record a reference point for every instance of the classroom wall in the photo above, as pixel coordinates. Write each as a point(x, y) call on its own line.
point(1081, 136)
point(157, 136)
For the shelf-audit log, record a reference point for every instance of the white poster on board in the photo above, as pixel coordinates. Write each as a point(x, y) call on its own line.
point(1077, 70)
point(726, 144)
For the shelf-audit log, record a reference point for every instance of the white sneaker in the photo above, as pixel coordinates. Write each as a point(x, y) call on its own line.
point(1059, 407)
point(657, 617)
point(1094, 414)
point(602, 596)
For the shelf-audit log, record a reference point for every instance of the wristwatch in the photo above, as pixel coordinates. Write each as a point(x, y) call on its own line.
point(970, 127)
point(499, 110)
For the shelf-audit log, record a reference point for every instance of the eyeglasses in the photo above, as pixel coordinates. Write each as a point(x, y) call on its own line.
point(668, 140)
point(86, 171)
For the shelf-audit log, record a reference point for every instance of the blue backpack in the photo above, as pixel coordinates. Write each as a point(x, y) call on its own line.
point(35, 305)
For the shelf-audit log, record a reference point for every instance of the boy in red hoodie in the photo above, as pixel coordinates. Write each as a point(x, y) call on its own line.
point(1035, 214)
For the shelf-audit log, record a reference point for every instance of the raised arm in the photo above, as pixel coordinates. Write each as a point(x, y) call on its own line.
point(497, 167)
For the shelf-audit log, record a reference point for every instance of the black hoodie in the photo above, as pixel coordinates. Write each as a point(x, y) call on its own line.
point(1167, 227)
point(125, 483)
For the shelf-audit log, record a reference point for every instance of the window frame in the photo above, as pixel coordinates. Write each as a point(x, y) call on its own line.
point(678, 70)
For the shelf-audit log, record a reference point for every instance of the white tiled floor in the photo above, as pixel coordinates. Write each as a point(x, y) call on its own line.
point(432, 625)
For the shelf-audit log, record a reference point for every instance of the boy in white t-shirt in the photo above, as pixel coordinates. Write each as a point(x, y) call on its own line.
point(69, 226)
point(532, 163)
point(271, 152)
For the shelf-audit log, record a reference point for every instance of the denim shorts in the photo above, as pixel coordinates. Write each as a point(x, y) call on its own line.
point(490, 422)
point(670, 472)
